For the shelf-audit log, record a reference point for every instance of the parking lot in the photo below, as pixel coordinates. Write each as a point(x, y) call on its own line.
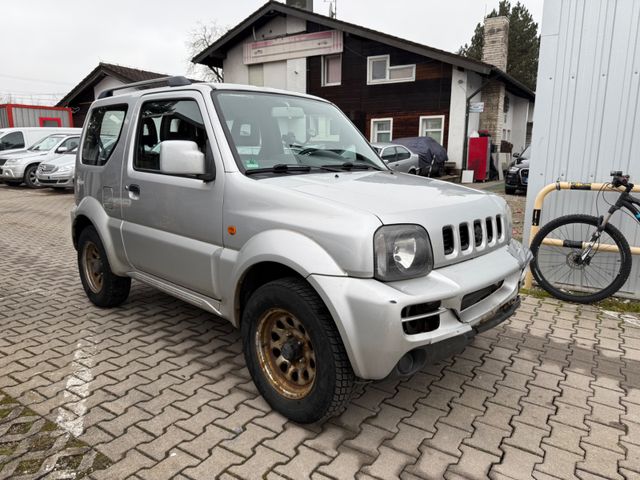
point(159, 389)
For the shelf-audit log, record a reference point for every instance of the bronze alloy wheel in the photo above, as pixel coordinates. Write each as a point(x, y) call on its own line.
point(285, 353)
point(92, 266)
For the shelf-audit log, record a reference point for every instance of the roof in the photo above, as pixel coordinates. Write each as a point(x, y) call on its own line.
point(216, 52)
point(124, 74)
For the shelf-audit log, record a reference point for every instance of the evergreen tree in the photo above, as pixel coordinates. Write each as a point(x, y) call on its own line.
point(524, 42)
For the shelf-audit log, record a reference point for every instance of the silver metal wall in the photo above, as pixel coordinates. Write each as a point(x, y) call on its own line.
point(587, 117)
point(30, 117)
point(4, 119)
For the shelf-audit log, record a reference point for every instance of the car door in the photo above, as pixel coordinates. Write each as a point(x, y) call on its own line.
point(389, 156)
point(171, 223)
point(404, 160)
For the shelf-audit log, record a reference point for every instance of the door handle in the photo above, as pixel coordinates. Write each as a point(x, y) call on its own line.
point(133, 188)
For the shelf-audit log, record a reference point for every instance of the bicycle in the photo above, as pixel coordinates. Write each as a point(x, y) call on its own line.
point(583, 258)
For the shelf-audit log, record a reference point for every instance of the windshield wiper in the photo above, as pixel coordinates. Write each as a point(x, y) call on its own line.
point(352, 166)
point(279, 168)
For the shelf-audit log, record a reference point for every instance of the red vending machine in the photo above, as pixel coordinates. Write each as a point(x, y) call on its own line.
point(479, 157)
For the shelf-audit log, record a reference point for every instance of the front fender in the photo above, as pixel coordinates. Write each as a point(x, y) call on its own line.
point(108, 229)
point(291, 249)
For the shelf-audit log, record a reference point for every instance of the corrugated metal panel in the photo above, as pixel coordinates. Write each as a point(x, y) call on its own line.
point(587, 106)
point(4, 118)
point(30, 117)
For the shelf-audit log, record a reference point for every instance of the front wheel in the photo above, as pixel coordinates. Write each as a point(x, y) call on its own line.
point(103, 287)
point(294, 352)
point(565, 266)
point(30, 179)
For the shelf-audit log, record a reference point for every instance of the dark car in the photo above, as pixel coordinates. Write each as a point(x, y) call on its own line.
point(432, 156)
point(517, 177)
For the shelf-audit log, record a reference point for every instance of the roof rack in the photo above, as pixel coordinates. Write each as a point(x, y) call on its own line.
point(178, 81)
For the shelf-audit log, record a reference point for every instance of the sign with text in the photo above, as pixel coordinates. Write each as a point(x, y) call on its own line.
point(476, 107)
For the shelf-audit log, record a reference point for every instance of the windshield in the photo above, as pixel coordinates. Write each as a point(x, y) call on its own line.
point(525, 154)
point(47, 143)
point(268, 130)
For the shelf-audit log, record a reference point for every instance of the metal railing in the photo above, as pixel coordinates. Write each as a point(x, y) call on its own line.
point(537, 213)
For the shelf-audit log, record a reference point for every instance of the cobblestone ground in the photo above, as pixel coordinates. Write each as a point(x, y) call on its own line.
point(161, 388)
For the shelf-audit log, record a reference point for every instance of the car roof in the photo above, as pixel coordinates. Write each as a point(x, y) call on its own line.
point(386, 144)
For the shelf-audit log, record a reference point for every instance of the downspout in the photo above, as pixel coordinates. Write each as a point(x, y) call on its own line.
point(466, 122)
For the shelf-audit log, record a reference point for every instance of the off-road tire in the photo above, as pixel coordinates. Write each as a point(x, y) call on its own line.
point(616, 235)
point(29, 175)
point(114, 289)
point(334, 378)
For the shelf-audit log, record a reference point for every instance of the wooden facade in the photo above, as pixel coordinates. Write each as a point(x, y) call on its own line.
point(405, 102)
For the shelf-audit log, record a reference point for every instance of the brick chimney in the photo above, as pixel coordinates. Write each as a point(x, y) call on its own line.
point(494, 52)
point(306, 4)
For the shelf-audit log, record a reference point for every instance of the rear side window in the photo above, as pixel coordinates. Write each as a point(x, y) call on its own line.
point(12, 140)
point(165, 120)
point(103, 131)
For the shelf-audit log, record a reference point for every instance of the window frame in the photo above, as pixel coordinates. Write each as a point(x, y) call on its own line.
point(387, 79)
point(422, 132)
point(405, 150)
point(323, 71)
point(42, 121)
point(16, 132)
point(375, 132)
point(140, 126)
point(124, 107)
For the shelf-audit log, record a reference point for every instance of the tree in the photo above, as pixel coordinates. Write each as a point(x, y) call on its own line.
point(200, 37)
point(524, 42)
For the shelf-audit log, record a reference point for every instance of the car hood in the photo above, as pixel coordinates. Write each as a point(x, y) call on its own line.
point(23, 155)
point(63, 160)
point(409, 199)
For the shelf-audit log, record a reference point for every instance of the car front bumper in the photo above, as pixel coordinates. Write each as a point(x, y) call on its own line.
point(12, 172)
point(370, 314)
point(57, 180)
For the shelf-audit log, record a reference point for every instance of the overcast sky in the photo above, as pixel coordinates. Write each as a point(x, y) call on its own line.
point(48, 47)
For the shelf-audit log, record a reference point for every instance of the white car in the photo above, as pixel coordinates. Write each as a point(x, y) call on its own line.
point(17, 139)
point(21, 167)
point(58, 172)
point(398, 157)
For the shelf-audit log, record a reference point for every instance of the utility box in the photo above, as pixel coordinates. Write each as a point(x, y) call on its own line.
point(479, 157)
point(18, 115)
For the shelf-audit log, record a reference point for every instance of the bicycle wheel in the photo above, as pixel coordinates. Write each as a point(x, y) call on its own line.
point(559, 267)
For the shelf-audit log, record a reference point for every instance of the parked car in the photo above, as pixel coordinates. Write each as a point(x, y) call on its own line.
point(333, 267)
point(398, 157)
point(58, 172)
point(14, 140)
point(22, 167)
point(517, 177)
point(432, 155)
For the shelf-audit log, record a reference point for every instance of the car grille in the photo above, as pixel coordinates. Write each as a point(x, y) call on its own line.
point(44, 168)
point(524, 175)
point(470, 299)
point(477, 234)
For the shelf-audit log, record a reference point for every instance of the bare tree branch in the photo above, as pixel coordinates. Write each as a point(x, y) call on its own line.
point(199, 38)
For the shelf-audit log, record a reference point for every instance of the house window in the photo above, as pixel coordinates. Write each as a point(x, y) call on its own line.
point(432, 126)
point(256, 75)
point(379, 70)
point(331, 70)
point(381, 129)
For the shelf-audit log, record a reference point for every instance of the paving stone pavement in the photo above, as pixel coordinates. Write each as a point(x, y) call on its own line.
point(161, 388)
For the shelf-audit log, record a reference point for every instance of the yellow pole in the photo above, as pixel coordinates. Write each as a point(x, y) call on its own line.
point(537, 213)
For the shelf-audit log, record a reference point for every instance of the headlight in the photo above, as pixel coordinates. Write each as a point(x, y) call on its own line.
point(64, 169)
point(401, 252)
point(11, 162)
point(513, 170)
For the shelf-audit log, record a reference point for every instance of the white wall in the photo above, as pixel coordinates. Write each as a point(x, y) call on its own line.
point(455, 143)
point(106, 83)
point(588, 96)
point(474, 82)
point(519, 111)
point(284, 74)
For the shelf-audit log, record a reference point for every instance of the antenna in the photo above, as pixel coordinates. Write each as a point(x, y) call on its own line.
point(333, 7)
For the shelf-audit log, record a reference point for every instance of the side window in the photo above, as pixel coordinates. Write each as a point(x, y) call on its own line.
point(403, 153)
point(389, 154)
point(68, 144)
point(12, 140)
point(102, 134)
point(166, 120)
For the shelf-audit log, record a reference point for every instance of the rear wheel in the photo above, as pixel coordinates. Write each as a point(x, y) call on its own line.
point(566, 268)
point(103, 287)
point(30, 178)
point(294, 352)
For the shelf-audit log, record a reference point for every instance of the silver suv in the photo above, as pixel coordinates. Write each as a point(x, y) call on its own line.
point(271, 210)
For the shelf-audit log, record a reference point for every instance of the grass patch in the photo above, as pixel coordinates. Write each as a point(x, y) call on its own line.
point(8, 448)
point(29, 467)
point(71, 462)
point(42, 442)
point(19, 428)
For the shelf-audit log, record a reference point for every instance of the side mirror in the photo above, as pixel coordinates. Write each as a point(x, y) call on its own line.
point(62, 150)
point(181, 157)
point(516, 155)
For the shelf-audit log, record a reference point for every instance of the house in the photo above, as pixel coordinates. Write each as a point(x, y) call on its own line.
point(20, 115)
point(105, 75)
point(388, 86)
